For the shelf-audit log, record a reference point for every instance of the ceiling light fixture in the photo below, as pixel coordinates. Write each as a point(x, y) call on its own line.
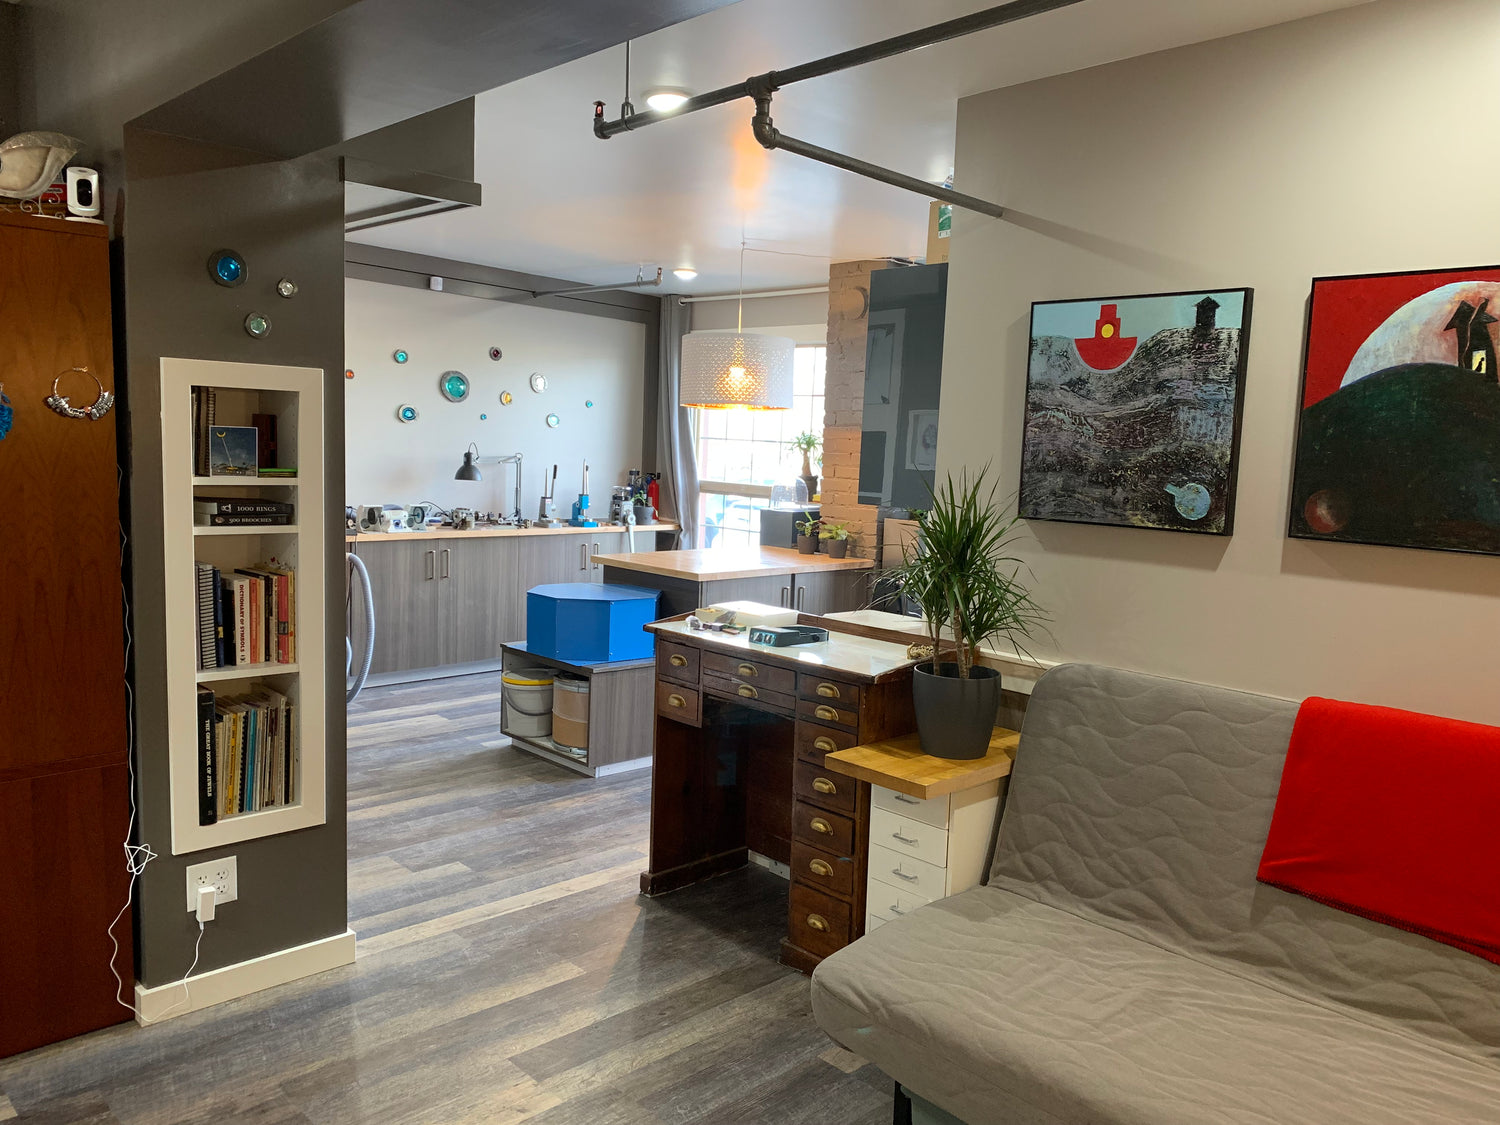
point(664, 99)
point(685, 273)
point(721, 370)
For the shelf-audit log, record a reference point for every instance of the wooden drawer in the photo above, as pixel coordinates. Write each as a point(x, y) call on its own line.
point(813, 741)
point(828, 713)
point(680, 703)
point(899, 871)
point(731, 688)
point(824, 830)
point(829, 873)
point(810, 685)
point(887, 902)
point(909, 837)
point(824, 788)
point(677, 662)
point(817, 922)
point(766, 676)
point(933, 811)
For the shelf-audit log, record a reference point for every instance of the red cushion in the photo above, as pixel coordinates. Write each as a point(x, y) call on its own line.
point(1395, 816)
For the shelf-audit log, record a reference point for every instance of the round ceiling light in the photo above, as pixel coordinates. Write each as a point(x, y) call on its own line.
point(685, 273)
point(664, 99)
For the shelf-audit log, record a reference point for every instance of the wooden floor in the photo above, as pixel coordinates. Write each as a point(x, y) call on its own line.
point(507, 970)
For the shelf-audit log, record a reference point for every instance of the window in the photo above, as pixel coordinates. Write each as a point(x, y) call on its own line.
point(742, 453)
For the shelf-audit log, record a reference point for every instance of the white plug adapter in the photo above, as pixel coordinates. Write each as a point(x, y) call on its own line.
point(205, 904)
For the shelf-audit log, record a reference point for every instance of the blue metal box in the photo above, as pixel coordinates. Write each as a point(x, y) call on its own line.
point(584, 623)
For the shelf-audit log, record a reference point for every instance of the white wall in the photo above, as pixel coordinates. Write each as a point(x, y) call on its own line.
point(583, 357)
point(804, 317)
point(1347, 143)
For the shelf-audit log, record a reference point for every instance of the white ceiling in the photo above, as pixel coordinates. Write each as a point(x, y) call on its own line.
point(557, 201)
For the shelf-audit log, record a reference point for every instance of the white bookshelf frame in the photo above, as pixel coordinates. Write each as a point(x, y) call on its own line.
point(183, 542)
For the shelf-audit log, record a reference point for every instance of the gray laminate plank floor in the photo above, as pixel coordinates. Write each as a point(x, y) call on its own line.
point(508, 971)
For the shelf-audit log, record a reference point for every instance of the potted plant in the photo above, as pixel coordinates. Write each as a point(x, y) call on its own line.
point(807, 535)
point(644, 513)
point(835, 537)
point(969, 590)
point(807, 444)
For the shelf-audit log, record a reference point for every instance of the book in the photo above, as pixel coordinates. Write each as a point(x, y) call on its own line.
point(239, 587)
point(240, 506)
point(232, 451)
point(208, 797)
point(205, 409)
point(217, 594)
point(265, 448)
point(264, 519)
point(208, 650)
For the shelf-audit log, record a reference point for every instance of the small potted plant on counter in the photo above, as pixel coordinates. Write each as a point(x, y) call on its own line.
point(835, 537)
point(807, 535)
point(807, 444)
point(645, 514)
point(969, 589)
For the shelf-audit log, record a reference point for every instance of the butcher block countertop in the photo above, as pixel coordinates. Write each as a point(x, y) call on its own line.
point(493, 532)
point(721, 565)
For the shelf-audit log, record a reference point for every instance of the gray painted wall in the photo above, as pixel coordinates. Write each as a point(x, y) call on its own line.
point(10, 70)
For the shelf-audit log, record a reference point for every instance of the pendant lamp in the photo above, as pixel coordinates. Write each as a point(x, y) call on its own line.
point(722, 370)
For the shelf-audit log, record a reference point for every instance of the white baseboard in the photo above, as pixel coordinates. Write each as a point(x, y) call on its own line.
point(204, 990)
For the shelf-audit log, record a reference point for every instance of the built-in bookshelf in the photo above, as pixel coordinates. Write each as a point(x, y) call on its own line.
point(294, 396)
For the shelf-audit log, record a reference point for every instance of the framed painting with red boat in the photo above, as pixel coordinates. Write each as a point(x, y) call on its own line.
point(1133, 410)
point(1398, 437)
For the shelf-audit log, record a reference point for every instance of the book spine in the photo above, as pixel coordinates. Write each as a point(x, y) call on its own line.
point(220, 654)
point(264, 519)
point(232, 506)
point(208, 796)
point(284, 618)
point(241, 620)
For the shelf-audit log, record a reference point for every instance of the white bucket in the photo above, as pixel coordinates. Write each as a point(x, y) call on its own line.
point(527, 697)
point(570, 712)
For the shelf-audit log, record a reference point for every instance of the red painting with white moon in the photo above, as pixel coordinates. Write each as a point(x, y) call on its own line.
point(1399, 436)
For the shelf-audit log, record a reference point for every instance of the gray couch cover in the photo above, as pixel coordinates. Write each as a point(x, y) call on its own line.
point(1123, 965)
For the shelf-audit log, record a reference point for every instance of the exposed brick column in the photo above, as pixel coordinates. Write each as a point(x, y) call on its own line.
point(843, 406)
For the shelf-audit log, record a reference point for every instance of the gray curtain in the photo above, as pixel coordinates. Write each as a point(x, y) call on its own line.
point(676, 441)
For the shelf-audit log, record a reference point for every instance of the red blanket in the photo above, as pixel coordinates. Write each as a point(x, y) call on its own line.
point(1395, 816)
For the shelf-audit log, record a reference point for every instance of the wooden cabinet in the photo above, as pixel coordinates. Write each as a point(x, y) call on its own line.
point(64, 793)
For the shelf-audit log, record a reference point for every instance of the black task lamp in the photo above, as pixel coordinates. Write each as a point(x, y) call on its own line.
point(469, 470)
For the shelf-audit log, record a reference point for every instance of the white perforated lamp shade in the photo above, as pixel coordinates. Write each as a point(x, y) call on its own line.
point(727, 369)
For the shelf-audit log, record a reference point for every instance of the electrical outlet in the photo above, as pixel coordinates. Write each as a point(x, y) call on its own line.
point(222, 874)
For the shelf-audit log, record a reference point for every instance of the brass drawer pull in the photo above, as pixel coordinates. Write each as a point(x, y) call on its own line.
point(823, 785)
point(675, 700)
point(818, 922)
point(677, 660)
point(821, 825)
point(745, 691)
point(825, 712)
point(820, 867)
point(903, 839)
point(749, 670)
point(828, 691)
point(898, 873)
point(827, 745)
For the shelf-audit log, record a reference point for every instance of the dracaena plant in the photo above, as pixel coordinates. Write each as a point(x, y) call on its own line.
point(960, 571)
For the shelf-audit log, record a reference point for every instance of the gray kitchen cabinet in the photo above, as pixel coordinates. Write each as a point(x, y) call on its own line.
point(830, 591)
point(406, 590)
point(474, 577)
point(540, 560)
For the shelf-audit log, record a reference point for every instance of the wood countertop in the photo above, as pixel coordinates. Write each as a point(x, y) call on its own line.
point(899, 764)
point(492, 532)
point(722, 565)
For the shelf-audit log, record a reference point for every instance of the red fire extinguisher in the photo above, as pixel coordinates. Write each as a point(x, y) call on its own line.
point(653, 492)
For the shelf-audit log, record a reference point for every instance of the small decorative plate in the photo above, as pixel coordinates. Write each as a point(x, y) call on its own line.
point(495, 354)
point(454, 385)
point(538, 382)
point(406, 413)
point(506, 398)
point(399, 355)
point(553, 421)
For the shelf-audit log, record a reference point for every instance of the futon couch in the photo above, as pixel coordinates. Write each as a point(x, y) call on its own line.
point(1122, 966)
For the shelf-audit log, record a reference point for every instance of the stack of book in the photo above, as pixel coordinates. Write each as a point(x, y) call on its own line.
point(247, 754)
point(240, 511)
point(204, 409)
point(248, 617)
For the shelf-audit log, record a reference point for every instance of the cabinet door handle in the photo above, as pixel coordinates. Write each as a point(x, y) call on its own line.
point(828, 691)
point(786, 593)
point(898, 873)
point(903, 839)
point(431, 559)
point(820, 867)
point(818, 922)
point(675, 700)
point(896, 910)
point(447, 562)
point(594, 551)
point(745, 691)
point(801, 597)
point(677, 660)
point(905, 800)
point(749, 671)
point(823, 785)
point(825, 712)
point(583, 556)
point(827, 745)
point(822, 826)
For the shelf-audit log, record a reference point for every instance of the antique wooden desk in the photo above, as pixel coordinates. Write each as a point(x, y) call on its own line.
point(741, 733)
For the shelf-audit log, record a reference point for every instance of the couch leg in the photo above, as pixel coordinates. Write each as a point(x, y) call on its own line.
point(901, 1111)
